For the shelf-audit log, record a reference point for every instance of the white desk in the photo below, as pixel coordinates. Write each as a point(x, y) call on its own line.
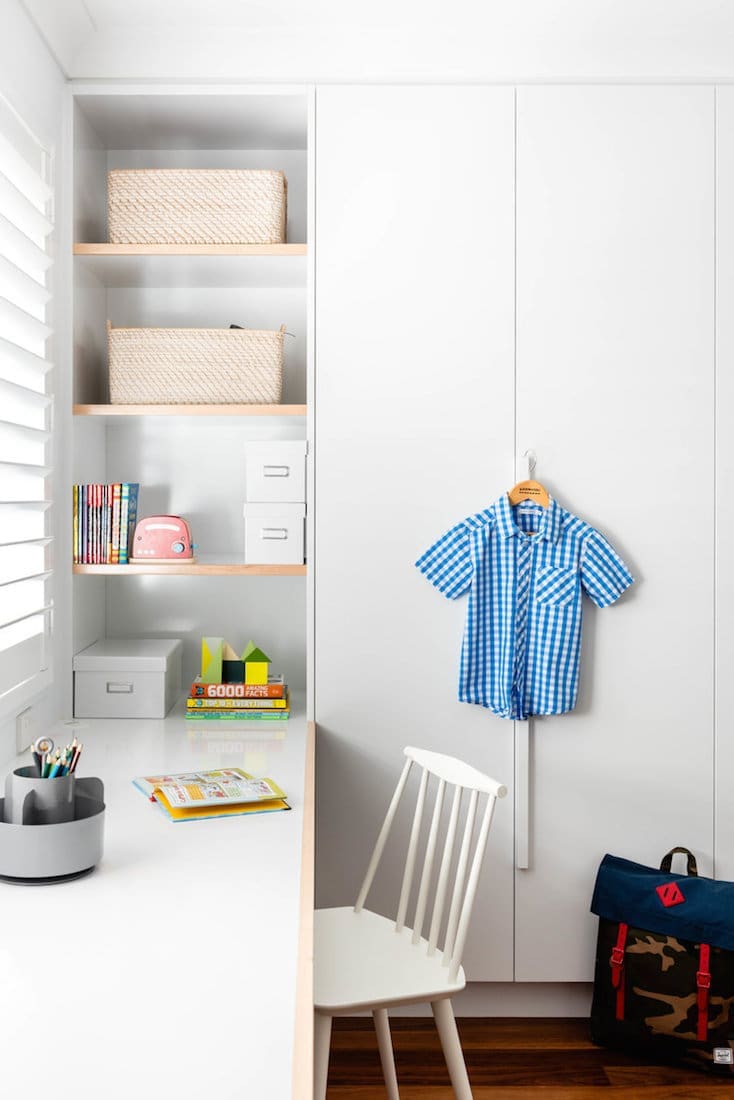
point(178, 957)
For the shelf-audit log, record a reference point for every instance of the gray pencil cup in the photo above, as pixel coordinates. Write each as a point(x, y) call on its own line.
point(30, 800)
point(51, 830)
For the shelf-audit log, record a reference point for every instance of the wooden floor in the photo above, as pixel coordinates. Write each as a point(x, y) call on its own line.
point(517, 1059)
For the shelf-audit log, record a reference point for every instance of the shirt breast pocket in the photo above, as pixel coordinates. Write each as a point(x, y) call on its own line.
point(555, 587)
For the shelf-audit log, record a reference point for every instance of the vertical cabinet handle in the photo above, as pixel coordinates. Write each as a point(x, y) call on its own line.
point(523, 733)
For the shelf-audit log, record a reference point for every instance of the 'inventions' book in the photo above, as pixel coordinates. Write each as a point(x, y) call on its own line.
point(274, 689)
point(190, 796)
point(236, 704)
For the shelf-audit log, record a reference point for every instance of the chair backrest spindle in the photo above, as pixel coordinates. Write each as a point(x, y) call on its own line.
point(459, 878)
point(443, 873)
point(471, 889)
point(412, 848)
point(382, 838)
point(420, 908)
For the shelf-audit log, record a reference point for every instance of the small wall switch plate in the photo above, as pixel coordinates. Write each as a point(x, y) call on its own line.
point(24, 727)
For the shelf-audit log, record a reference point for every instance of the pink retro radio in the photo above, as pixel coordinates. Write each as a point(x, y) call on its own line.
point(164, 539)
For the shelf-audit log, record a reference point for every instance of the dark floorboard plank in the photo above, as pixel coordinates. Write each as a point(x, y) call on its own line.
point(532, 1092)
point(517, 1059)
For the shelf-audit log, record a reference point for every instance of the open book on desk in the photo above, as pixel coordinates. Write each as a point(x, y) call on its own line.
point(190, 796)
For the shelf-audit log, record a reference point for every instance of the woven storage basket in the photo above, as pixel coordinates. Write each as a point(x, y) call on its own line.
point(195, 366)
point(196, 206)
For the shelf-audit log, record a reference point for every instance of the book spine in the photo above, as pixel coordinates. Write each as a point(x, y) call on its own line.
point(75, 524)
point(85, 523)
point(102, 522)
point(108, 525)
point(115, 533)
point(236, 704)
point(124, 512)
point(132, 519)
point(237, 715)
point(95, 522)
point(90, 522)
point(92, 526)
point(238, 691)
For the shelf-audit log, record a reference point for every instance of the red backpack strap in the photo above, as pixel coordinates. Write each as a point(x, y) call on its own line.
point(703, 985)
point(616, 962)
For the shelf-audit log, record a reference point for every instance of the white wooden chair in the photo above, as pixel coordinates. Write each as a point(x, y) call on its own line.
point(366, 961)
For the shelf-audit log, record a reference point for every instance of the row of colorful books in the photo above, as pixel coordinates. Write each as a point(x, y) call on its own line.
point(239, 702)
point(104, 521)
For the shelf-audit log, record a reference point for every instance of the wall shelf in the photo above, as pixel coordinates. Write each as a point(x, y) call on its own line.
point(187, 265)
point(189, 410)
point(190, 249)
point(200, 568)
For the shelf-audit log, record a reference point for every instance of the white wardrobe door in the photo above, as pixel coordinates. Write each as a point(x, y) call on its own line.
point(414, 430)
point(724, 477)
point(615, 292)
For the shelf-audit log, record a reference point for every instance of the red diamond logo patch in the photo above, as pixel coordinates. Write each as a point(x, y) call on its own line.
point(670, 893)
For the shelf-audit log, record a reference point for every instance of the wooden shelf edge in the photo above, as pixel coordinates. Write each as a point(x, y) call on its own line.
point(198, 569)
point(189, 410)
point(99, 249)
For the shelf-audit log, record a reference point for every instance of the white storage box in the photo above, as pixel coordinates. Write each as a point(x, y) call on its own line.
point(276, 471)
point(274, 534)
point(127, 678)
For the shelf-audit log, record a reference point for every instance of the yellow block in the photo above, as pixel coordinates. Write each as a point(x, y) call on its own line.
point(256, 672)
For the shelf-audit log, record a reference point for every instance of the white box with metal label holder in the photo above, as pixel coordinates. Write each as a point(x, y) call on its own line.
point(274, 533)
point(275, 470)
point(127, 678)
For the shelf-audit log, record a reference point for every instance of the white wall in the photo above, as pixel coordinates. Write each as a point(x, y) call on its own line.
point(32, 81)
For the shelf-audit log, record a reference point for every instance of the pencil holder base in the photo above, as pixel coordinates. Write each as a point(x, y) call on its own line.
point(50, 880)
point(53, 853)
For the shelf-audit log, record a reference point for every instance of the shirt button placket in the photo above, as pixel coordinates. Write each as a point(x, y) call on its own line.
point(522, 596)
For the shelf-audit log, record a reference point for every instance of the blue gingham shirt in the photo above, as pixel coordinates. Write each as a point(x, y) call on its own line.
point(525, 568)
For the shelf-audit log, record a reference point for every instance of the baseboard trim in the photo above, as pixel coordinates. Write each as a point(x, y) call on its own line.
point(548, 999)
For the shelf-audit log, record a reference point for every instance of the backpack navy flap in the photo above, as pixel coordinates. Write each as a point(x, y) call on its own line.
point(686, 906)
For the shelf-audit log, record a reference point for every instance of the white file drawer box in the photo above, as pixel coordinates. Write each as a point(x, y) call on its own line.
point(275, 470)
point(127, 678)
point(274, 534)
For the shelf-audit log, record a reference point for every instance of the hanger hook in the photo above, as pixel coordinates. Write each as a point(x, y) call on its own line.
point(532, 462)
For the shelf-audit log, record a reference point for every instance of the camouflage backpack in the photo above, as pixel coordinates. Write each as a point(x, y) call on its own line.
point(664, 979)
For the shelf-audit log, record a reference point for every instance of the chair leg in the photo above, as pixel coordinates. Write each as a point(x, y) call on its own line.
point(387, 1055)
point(444, 1016)
point(321, 1045)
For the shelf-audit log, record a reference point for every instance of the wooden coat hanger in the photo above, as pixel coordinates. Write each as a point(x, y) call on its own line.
point(529, 489)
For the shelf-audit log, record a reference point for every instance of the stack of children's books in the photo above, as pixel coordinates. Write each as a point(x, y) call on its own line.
point(236, 688)
point(104, 522)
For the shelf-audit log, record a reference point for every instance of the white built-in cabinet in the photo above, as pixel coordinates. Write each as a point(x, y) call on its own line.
point(499, 271)
point(490, 270)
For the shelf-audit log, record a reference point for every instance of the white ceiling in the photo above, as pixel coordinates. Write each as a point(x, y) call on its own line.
point(297, 40)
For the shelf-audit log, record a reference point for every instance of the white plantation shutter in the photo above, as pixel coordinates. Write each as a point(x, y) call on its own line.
point(26, 226)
